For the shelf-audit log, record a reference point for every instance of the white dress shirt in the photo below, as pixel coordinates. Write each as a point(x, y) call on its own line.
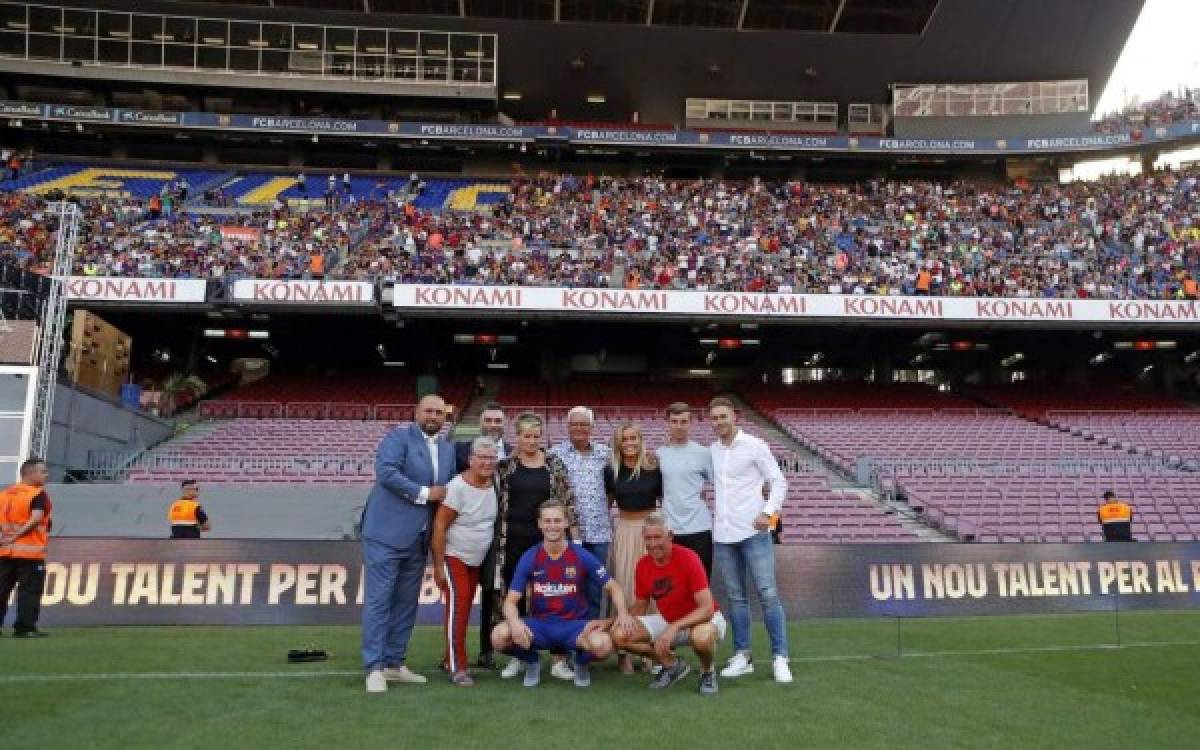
point(739, 471)
point(431, 443)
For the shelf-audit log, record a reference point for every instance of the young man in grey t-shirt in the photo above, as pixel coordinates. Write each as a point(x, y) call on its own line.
point(685, 467)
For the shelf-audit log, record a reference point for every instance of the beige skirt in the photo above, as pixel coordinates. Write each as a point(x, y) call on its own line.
point(627, 548)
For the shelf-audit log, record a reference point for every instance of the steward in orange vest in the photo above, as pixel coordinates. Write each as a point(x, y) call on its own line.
point(1116, 518)
point(1190, 287)
point(25, 521)
point(187, 517)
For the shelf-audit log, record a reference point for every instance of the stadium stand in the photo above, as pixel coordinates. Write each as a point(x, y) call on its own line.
point(275, 431)
point(1035, 403)
point(1165, 110)
point(991, 475)
point(110, 181)
point(876, 237)
point(354, 396)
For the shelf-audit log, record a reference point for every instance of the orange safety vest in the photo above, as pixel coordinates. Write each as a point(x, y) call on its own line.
point(1190, 287)
point(316, 263)
point(924, 280)
point(1117, 512)
point(15, 511)
point(183, 513)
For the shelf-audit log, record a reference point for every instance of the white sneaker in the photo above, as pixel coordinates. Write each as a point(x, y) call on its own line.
point(740, 664)
point(783, 673)
point(562, 670)
point(376, 682)
point(512, 669)
point(403, 674)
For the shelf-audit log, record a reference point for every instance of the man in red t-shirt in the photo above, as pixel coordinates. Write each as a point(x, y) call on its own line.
point(673, 576)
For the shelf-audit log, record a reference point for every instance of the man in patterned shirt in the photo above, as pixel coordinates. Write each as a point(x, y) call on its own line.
point(585, 462)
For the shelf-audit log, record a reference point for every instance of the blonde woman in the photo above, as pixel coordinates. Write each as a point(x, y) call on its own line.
point(634, 484)
point(525, 480)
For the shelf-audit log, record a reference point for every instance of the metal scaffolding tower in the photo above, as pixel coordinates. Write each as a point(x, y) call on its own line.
point(53, 319)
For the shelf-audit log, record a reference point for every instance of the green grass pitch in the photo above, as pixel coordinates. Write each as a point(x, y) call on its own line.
point(1002, 682)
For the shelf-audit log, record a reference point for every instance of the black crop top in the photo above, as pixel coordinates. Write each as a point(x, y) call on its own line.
point(643, 492)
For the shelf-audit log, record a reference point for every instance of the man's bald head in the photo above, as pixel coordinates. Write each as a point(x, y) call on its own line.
point(431, 413)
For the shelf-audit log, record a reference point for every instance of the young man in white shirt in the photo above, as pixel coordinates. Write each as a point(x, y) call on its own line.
point(742, 464)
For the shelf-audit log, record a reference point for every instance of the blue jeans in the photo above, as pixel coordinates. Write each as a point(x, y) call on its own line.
point(754, 555)
point(595, 592)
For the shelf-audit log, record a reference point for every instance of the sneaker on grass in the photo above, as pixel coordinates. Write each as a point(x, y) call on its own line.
point(533, 674)
point(670, 675)
point(739, 664)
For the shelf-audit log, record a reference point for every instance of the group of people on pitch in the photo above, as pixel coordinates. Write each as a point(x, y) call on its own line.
point(533, 526)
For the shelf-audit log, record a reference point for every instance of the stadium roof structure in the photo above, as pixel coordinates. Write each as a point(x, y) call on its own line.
point(604, 60)
point(831, 16)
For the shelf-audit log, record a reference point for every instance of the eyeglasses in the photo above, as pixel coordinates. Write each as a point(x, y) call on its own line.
point(485, 458)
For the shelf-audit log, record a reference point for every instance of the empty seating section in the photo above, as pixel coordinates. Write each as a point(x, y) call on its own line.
point(1171, 434)
point(980, 473)
point(839, 396)
point(384, 397)
point(1035, 402)
point(990, 475)
point(815, 514)
point(842, 437)
point(1058, 509)
point(268, 450)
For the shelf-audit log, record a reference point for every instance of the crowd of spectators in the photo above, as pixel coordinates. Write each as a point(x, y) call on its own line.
point(126, 238)
point(1121, 237)
point(1167, 109)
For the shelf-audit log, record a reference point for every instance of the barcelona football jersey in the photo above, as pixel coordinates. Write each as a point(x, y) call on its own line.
point(557, 587)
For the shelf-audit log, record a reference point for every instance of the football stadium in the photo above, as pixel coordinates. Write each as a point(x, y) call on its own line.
point(792, 373)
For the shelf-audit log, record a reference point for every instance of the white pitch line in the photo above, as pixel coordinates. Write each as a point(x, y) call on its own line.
point(68, 677)
point(994, 651)
point(85, 676)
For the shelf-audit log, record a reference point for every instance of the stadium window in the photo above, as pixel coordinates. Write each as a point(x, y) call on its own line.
point(1017, 376)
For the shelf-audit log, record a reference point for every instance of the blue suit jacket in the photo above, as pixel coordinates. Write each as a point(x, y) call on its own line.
point(462, 452)
point(402, 467)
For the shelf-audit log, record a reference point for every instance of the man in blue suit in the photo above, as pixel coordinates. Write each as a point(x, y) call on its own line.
point(411, 471)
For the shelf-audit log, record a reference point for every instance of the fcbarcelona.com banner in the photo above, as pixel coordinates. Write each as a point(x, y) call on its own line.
point(789, 306)
point(243, 582)
point(612, 136)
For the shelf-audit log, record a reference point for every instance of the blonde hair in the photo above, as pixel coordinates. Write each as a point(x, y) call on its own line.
point(645, 460)
point(527, 420)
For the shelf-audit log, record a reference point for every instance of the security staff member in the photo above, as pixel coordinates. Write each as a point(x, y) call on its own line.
point(1116, 518)
point(187, 517)
point(1191, 290)
point(25, 523)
